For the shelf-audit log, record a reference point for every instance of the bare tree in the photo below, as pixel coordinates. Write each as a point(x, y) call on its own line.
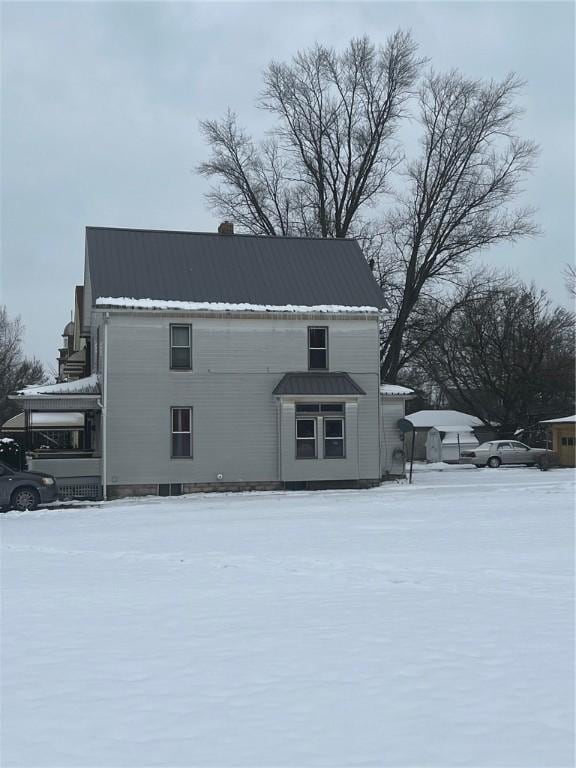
point(437, 305)
point(16, 371)
point(506, 357)
point(570, 278)
point(334, 153)
point(333, 149)
point(460, 191)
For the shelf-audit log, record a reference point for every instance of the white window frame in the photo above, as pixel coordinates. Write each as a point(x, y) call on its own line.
point(313, 439)
point(188, 346)
point(341, 419)
point(186, 432)
point(317, 349)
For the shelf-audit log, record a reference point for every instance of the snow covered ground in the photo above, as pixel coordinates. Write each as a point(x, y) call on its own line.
point(424, 625)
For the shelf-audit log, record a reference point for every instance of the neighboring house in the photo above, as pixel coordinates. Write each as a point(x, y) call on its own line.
point(563, 438)
point(72, 357)
point(441, 435)
point(222, 361)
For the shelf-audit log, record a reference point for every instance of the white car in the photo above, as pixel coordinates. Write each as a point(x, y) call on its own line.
point(497, 452)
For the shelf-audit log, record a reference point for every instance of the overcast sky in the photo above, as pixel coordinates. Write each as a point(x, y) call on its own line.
point(101, 103)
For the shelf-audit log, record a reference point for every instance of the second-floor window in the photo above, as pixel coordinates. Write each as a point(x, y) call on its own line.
point(181, 347)
point(318, 349)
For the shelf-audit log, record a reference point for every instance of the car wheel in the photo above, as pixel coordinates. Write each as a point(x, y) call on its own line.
point(494, 462)
point(25, 498)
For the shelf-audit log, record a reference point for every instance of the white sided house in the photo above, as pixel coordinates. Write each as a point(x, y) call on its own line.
point(222, 362)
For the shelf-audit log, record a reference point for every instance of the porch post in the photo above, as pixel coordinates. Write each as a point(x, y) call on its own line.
point(27, 436)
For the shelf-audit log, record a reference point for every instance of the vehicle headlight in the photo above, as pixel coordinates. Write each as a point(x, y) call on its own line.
point(47, 480)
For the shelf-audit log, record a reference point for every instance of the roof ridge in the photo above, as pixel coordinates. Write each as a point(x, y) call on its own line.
point(217, 234)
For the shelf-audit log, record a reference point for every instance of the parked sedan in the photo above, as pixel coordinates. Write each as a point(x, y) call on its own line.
point(25, 490)
point(497, 452)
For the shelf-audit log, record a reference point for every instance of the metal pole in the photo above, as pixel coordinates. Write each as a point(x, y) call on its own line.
point(104, 416)
point(412, 453)
point(27, 441)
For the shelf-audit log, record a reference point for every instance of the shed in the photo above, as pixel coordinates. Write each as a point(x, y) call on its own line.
point(446, 442)
point(452, 432)
point(563, 432)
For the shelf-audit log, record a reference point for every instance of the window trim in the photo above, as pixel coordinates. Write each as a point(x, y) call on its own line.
point(343, 438)
point(319, 420)
point(191, 432)
point(325, 347)
point(179, 346)
point(319, 408)
point(307, 439)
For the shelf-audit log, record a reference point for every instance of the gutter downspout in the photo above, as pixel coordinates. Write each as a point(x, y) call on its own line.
point(105, 409)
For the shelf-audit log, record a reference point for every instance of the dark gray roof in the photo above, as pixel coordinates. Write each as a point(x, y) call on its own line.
point(317, 384)
point(189, 266)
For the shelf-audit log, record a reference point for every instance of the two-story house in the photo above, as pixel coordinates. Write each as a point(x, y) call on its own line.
point(223, 361)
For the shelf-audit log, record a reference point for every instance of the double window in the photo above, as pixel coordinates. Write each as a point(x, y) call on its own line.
point(315, 421)
point(318, 349)
point(181, 433)
point(181, 347)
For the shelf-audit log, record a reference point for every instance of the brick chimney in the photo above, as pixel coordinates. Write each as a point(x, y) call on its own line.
point(226, 228)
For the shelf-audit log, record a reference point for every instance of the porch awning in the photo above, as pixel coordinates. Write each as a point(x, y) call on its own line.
point(321, 384)
point(80, 395)
point(45, 420)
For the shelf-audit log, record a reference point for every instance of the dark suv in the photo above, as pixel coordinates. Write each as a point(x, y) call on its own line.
point(25, 490)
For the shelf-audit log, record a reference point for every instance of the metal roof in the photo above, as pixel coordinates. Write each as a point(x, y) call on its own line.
point(190, 266)
point(317, 384)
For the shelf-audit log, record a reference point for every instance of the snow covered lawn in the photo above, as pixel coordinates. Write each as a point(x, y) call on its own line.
point(418, 626)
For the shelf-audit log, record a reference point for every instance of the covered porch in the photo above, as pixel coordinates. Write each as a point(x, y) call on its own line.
point(59, 430)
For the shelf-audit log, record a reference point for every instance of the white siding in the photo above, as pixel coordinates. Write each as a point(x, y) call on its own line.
point(237, 363)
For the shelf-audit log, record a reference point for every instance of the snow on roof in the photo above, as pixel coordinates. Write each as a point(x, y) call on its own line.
point(86, 386)
point(450, 420)
point(214, 306)
point(563, 420)
point(453, 428)
point(395, 390)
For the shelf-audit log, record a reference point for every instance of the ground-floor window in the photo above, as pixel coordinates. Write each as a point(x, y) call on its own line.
point(181, 433)
point(333, 438)
point(321, 434)
point(568, 441)
point(306, 438)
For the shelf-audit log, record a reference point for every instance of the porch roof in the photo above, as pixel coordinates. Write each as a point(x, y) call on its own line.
point(87, 386)
point(47, 420)
point(80, 395)
point(314, 383)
